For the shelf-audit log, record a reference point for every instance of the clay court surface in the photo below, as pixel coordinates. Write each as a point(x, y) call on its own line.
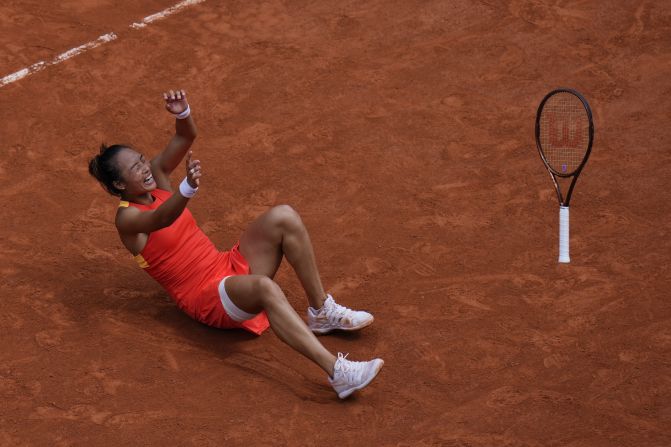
point(402, 131)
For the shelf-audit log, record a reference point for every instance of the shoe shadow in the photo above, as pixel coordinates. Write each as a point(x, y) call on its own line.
point(342, 335)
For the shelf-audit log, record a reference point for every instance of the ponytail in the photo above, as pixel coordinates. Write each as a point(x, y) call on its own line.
point(104, 167)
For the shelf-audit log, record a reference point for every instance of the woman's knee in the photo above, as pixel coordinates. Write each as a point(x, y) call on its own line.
point(268, 291)
point(286, 217)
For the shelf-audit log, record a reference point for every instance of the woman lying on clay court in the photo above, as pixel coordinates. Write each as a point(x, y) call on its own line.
point(233, 289)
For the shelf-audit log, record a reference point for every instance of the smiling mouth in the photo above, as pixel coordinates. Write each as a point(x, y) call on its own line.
point(148, 180)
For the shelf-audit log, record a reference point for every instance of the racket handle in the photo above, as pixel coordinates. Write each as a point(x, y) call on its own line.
point(563, 235)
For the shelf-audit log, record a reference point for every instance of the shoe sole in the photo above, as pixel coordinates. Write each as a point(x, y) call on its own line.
point(322, 331)
point(345, 394)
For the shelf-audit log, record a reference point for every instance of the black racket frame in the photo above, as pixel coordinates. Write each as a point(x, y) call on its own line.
point(552, 172)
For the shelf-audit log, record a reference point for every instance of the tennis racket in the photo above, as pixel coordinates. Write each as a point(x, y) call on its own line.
point(564, 136)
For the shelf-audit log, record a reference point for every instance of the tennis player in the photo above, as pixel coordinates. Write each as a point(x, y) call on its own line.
point(231, 289)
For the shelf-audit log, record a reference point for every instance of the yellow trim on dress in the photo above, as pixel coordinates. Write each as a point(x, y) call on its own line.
point(123, 204)
point(141, 261)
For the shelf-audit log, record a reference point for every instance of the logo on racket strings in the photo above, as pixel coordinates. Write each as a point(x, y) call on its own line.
point(562, 137)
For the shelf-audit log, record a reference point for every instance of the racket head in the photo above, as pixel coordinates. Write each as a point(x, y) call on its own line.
point(564, 131)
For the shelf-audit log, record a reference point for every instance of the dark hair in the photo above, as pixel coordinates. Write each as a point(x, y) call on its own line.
point(104, 168)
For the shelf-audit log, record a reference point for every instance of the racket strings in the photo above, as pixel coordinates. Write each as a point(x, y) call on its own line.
point(564, 132)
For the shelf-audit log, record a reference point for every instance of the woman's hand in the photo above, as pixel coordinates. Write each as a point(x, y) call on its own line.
point(175, 101)
point(193, 172)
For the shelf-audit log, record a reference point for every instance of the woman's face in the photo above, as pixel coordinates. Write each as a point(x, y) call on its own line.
point(135, 170)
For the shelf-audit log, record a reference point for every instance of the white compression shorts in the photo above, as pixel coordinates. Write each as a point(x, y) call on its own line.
point(231, 309)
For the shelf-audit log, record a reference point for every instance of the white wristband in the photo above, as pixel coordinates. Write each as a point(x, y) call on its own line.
point(186, 190)
point(185, 114)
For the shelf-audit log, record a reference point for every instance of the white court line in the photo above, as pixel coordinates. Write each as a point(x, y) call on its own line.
point(41, 65)
point(165, 13)
point(81, 48)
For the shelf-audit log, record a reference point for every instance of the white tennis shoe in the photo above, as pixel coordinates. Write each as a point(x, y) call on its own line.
point(349, 376)
point(333, 316)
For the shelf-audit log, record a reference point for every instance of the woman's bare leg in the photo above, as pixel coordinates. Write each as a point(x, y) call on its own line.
point(253, 293)
point(277, 232)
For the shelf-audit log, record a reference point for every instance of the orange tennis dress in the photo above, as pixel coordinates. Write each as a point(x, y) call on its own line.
point(189, 267)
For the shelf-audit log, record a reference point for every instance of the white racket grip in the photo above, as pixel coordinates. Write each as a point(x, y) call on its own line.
point(563, 235)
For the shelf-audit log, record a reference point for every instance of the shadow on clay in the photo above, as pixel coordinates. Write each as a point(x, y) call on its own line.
point(129, 310)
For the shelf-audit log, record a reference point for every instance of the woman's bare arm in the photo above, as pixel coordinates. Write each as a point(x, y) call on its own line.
point(185, 132)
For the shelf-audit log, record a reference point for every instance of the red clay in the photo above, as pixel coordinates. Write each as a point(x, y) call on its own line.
point(403, 134)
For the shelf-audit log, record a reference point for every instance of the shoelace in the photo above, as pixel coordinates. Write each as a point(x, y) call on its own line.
point(349, 366)
point(335, 312)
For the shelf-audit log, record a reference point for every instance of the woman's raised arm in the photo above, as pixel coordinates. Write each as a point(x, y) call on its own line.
point(185, 132)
